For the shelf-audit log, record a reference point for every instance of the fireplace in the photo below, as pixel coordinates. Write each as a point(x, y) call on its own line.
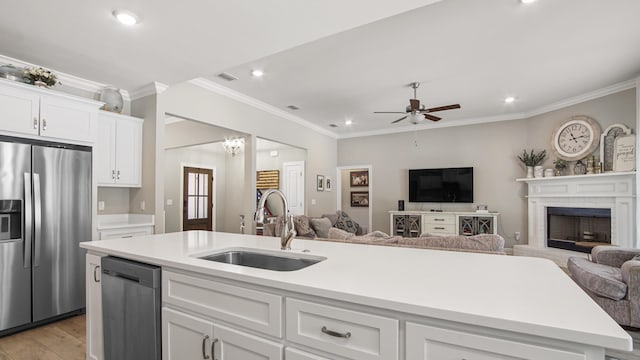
point(578, 229)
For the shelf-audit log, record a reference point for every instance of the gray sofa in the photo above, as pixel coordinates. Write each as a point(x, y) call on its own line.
point(612, 279)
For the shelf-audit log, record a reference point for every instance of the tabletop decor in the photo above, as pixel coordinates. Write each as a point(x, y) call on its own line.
point(607, 149)
point(41, 77)
point(112, 99)
point(624, 157)
point(559, 165)
point(531, 159)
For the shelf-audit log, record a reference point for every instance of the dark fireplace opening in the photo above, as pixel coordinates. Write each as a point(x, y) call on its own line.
point(578, 229)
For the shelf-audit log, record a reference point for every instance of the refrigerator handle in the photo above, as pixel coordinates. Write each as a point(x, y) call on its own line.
point(37, 220)
point(28, 221)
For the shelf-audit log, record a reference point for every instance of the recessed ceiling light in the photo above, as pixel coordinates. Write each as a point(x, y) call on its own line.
point(527, 1)
point(126, 17)
point(257, 72)
point(348, 122)
point(509, 99)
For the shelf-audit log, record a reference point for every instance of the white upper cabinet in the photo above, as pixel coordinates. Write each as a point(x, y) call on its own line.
point(118, 150)
point(42, 113)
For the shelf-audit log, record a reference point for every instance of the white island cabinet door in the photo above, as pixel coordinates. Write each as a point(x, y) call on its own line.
point(232, 344)
point(185, 336)
point(426, 342)
point(19, 110)
point(94, 308)
point(128, 151)
point(104, 151)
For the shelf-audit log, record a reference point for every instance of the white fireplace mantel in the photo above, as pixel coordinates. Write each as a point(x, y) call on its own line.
point(613, 190)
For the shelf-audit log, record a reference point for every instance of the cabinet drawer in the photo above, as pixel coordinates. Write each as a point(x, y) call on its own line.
point(294, 354)
point(439, 219)
point(346, 333)
point(432, 343)
point(252, 309)
point(439, 229)
point(125, 233)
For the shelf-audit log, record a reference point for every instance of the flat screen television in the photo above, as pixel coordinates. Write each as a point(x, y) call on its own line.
point(451, 185)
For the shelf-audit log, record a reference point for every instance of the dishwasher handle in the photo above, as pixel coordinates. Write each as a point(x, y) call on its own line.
point(121, 275)
point(143, 274)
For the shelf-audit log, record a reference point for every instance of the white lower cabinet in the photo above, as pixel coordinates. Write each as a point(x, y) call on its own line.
point(189, 337)
point(94, 307)
point(295, 354)
point(122, 233)
point(426, 342)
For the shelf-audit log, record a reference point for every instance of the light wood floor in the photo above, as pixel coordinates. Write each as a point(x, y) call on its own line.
point(62, 340)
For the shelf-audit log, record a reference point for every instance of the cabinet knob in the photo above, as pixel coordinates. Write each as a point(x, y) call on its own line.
point(118, 175)
point(113, 174)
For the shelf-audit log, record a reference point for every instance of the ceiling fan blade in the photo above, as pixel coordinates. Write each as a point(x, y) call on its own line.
point(415, 104)
point(388, 112)
point(442, 108)
point(402, 118)
point(432, 118)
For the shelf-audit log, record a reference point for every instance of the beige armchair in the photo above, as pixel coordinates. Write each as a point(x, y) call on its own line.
point(612, 279)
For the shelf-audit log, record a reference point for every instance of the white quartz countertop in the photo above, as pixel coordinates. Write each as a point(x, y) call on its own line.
point(521, 294)
point(121, 221)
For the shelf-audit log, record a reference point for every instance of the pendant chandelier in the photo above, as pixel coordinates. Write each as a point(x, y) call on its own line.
point(233, 146)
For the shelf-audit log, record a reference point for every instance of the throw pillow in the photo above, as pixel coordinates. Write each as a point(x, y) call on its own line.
point(321, 226)
point(338, 234)
point(301, 224)
point(344, 222)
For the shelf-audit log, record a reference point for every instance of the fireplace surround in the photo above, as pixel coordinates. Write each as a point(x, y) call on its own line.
point(609, 192)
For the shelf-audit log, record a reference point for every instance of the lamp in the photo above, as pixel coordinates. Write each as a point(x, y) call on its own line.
point(233, 145)
point(416, 117)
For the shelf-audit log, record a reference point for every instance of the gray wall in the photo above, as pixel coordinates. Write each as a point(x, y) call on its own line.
point(490, 148)
point(116, 200)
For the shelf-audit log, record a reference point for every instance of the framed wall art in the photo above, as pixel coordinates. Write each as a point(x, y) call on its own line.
point(624, 156)
point(320, 182)
point(607, 148)
point(359, 199)
point(328, 185)
point(359, 178)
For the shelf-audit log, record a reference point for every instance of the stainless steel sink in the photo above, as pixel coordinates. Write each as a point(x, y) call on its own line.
point(264, 260)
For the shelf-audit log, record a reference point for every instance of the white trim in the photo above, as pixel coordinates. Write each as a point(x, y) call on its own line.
point(213, 192)
point(304, 182)
point(67, 79)
point(235, 95)
point(637, 156)
point(338, 186)
point(149, 89)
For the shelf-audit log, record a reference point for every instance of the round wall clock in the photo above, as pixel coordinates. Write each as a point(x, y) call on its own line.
point(576, 138)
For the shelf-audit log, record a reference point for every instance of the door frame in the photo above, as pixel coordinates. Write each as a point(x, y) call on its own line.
point(338, 183)
point(213, 191)
point(304, 177)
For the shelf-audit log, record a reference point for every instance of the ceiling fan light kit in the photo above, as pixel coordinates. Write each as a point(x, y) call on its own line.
point(417, 112)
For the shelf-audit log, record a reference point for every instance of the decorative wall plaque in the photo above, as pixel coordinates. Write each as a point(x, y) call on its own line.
point(624, 157)
point(607, 149)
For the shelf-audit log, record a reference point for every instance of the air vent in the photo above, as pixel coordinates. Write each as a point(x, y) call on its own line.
point(227, 76)
point(293, 107)
point(333, 125)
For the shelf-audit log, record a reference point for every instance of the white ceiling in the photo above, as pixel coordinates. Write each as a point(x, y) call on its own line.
point(340, 60)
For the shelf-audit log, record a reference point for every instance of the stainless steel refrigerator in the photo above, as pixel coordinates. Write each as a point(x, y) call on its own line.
point(45, 212)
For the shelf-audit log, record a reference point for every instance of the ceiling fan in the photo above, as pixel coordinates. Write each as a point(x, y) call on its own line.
point(415, 109)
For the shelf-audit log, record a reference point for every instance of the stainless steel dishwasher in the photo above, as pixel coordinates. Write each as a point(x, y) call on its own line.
point(131, 310)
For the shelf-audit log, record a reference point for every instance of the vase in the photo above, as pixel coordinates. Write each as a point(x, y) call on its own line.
point(529, 172)
point(40, 84)
point(112, 99)
point(579, 168)
point(538, 171)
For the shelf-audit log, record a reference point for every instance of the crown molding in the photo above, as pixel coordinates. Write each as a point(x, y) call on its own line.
point(612, 89)
point(149, 89)
point(235, 95)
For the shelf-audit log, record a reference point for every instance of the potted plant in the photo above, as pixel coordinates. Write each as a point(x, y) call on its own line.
point(40, 77)
point(533, 159)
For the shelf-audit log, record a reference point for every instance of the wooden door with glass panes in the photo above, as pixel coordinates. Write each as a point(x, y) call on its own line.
point(197, 199)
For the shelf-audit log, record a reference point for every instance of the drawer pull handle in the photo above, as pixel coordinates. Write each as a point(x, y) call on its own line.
point(438, 228)
point(127, 236)
point(335, 333)
point(35, 123)
point(438, 219)
point(213, 347)
point(95, 273)
point(204, 344)
point(44, 124)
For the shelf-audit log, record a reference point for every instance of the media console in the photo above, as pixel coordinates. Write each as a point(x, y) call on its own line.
point(414, 223)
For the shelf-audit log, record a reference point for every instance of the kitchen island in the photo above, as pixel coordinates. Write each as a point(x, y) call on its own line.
point(363, 302)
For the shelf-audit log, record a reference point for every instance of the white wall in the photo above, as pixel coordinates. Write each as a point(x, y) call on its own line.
point(490, 148)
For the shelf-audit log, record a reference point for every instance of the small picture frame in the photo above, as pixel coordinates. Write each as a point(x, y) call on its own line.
point(328, 184)
point(359, 178)
point(359, 199)
point(320, 182)
point(607, 148)
point(624, 156)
